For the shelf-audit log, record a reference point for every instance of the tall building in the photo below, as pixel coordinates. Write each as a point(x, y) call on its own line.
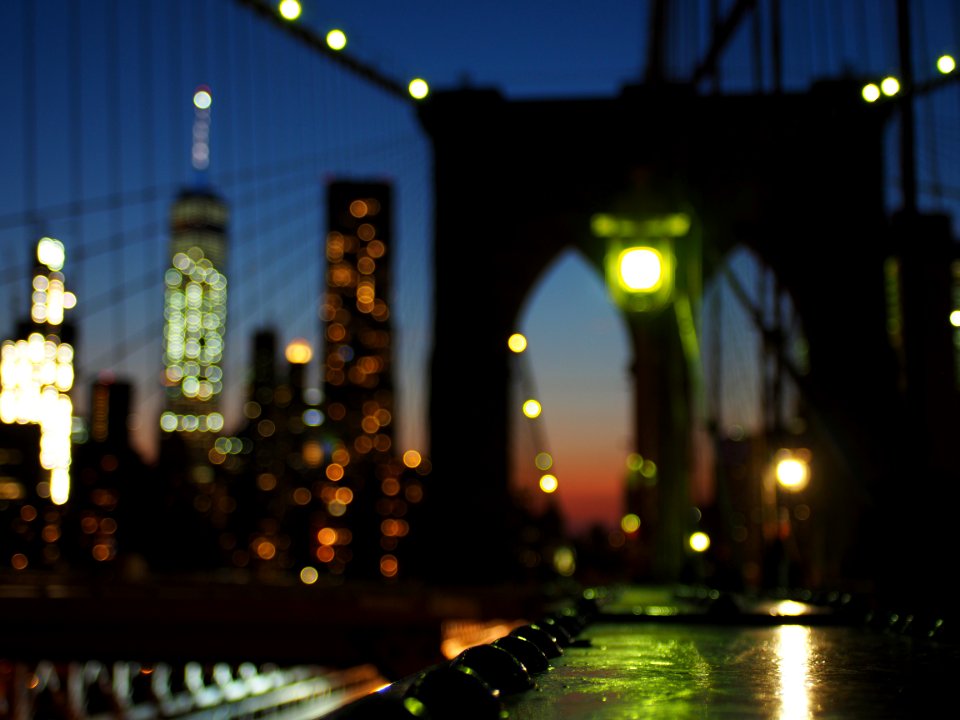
point(195, 315)
point(363, 498)
point(195, 306)
point(110, 508)
point(275, 468)
point(36, 417)
point(36, 370)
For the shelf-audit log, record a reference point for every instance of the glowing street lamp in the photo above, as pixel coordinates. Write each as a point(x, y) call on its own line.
point(699, 542)
point(640, 262)
point(640, 269)
point(792, 469)
point(788, 471)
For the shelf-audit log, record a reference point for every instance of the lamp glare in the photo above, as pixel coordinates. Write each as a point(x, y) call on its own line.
point(871, 92)
point(289, 9)
point(418, 88)
point(336, 39)
point(640, 269)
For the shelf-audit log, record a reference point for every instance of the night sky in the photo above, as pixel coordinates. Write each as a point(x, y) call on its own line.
point(95, 142)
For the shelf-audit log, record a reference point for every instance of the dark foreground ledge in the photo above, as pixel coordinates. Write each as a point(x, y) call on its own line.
point(675, 653)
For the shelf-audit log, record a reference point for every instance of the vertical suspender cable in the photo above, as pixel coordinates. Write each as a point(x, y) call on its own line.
point(714, 25)
point(836, 21)
point(757, 43)
point(30, 155)
point(254, 86)
point(863, 45)
point(75, 103)
point(112, 39)
point(776, 46)
point(828, 40)
point(929, 118)
point(907, 130)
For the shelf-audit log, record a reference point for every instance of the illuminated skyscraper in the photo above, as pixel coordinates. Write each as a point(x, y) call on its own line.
point(195, 304)
point(363, 498)
point(195, 315)
point(36, 371)
point(36, 416)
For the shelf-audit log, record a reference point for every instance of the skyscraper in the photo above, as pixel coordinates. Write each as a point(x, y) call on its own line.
point(195, 314)
point(195, 305)
point(36, 416)
point(365, 500)
point(36, 370)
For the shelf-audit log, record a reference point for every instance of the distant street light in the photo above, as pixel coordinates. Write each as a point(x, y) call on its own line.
point(699, 542)
point(418, 88)
point(549, 483)
point(289, 9)
point(336, 39)
point(517, 343)
point(792, 469)
point(890, 86)
point(532, 408)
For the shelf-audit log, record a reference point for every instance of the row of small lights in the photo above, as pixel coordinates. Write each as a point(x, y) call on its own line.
point(699, 541)
point(532, 409)
point(337, 40)
point(890, 86)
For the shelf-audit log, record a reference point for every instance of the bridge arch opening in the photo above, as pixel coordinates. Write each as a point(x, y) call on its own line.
point(576, 365)
point(754, 352)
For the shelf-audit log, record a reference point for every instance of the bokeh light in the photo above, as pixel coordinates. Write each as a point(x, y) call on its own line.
point(549, 483)
point(699, 542)
point(51, 253)
point(202, 99)
point(630, 523)
point(517, 343)
point(640, 269)
point(792, 473)
point(564, 561)
point(298, 352)
point(418, 88)
point(336, 39)
point(531, 408)
point(289, 9)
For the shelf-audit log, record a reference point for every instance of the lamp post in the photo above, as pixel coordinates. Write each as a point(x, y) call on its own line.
point(651, 266)
point(788, 472)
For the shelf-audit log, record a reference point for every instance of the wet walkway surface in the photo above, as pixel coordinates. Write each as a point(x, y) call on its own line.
point(659, 660)
point(786, 671)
